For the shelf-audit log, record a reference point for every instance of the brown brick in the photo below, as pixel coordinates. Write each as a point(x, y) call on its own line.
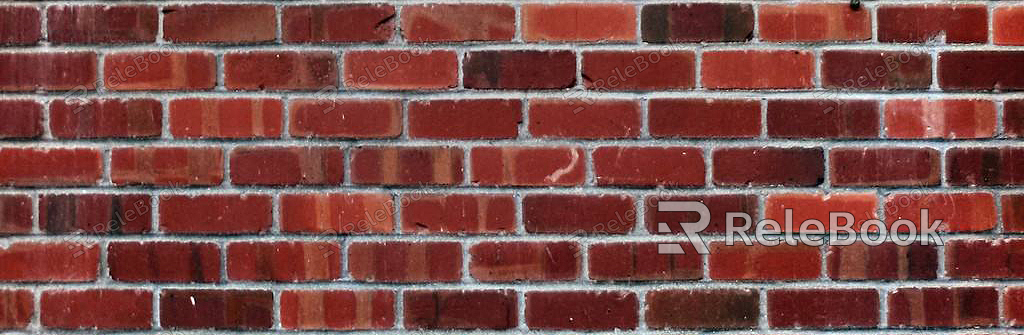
point(337, 310)
point(96, 213)
point(887, 261)
point(231, 118)
point(811, 206)
point(570, 213)
point(164, 262)
point(105, 118)
point(95, 24)
point(49, 262)
point(167, 166)
point(719, 205)
point(918, 24)
point(451, 309)
point(96, 309)
point(216, 309)
point(985, 259)
point(703, 118)
point(15, 215)
point(284, 261)
point(702, 309)
point(215, 214)
point(29, 167)
point(949, 118)
point(823, 308)
point(159, 70)
point(284, 70)
point(20, 118)
point(1013, 301)
point(699, 22)
point(20, 26)
point(458, 213)
point(52, 71)
point(581, 310)
point(337, 213)
point(1013, 213)
point(216, 23)
point(985, 166)
point(584, 118)
point(519, 69)
point(769, 166)
point(524, 261)
point(337, 23)
point(945, 307)
point(336, 118)
point(876, 70)
point(981, 70)
point(279, 166)
point(18, 309)
point(1013, 118)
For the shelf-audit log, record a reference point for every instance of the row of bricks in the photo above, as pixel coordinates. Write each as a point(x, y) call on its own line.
point(439, 69)
point(602, 23)
point(476, 119)
point(375, 213)
point(668, 308)
point(505, 261)
point(503, 166)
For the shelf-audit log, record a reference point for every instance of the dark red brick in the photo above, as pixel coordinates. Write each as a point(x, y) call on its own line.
point(49, 262)
point(215, 214)
point(823, 118)
point(1013, 302)
point(95, 24)
point(884, 166)
point(887, 261)
point(642, 261)
point(284, 261)
point(581, 310)
point(51, 71)
point(277, 166)
point(638, 70)
point(347, 23)
point(437, 23)
point(528, 166)
point(451, 309)
point(702, 309)
point(703, 118)
point(216, 309)
point(406, 165)
point(113, 214)
point(763, 262)
point(50, 167)
point(1013, 118)
point(458, 214)
point(284, 70)
point(231, 118)
point(981, 70)
point(334, 213)
point(105, 118)
point(649, 166)
point(719, 205)
point(338, 310)
point(1013, 213)
point(524, 261)
point(944, 307)
point(985, 166)
point(336, 118)
point(20, 118)
point(405, 262)
point(20, 26)
point(164, 262)
point(876, 70)
point(584, 118)
point(167, 166)
point(918, 24)
point(465, 119)
point(985, 259)
point(15, 214)
point(519, 69)
point(697, 22)
point(769, 166)
point(217, 23)
point(106, 309)
point(160, 70)
point(578, 214)
point(823, 308)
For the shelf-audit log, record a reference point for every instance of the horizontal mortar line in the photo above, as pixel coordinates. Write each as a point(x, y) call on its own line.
point(858, 331)
point(578, 94)
point(476, 238)
point(470, 189)
point(718, 143)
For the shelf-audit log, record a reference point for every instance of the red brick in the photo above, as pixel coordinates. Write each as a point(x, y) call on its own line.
point(338, 310)
point(105, 118)
point(411, 69)
point(876, 70)
point(167, 166)
point(886, 261)
point(95, 213)
point(50, 167)
point(703, 118)
point(981, 70)
point(918, 24)
point(823, 118)
point(1013, 213)
point(20, 118)
point(811, 22)
point(279, 166)
point(335, 118)
point(638, 70)
point(641, 261)
point(1013, 118)
point(528, 166)
point(807, 206)
point(465, 119)
point(337, 23)
point(985, 259)
point(959, 212)
point(95, 24)
point(649, 166)
point(97, 309)
point(231, 118)
point(524, 261)
point(164, 262)
point(715, 309)
point(52, 71)
point(985, 166)
point(216, 309)
point(585, 118)
point(458, 213)
point(823, 308)
point(49, 262)
point(769, 166)
point(948, 118)
point(406, 165)
point(519, 69)
point(15, 215)
point(17, 307)
point(436, 23)
point(718, 206)
point(216, 23)
point(945, 307)
point(333, 213)
point(463, 309)
point(762, 262)
point(884, 166)
point(585, 22)
point(749, 69)
point(1013, 310)
point(581, 310)
point(571, 213)
point(215, 214)
point(405, 262)
point(697, 22)
point(1008, 25)
point(160, 70)
point(283, 70)
point(284, 261)
point(20, 26)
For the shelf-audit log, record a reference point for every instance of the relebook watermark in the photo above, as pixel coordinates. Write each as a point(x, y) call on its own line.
point(812, 232)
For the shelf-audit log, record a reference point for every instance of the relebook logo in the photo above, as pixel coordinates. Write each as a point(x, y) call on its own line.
point(813, 232)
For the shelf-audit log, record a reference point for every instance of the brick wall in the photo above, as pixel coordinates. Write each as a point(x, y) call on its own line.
point(391, 167)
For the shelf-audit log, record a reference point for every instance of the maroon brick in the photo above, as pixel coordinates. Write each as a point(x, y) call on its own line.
point(405, 262)
point(1013, 301)
point(337, 23)
point(1013, 213)
point(287, 166)
point(105, 118)
point(697, 22)
point(337, 118)
point(918, 24)
point(581, 310)
point(944, 307)
point(15, 214)
point(763, 262)
point(95, 213)
point(18, 309)
point(53, 71)
point(702, 118)
point(167, 166)
point(884, 166)
point(876, 70)
point(887, 261)
point(649, 166)
point(769, 166)
point(451, 309)
point(49, 262)
point(106, 309)
point(985, 259)
point(823, 308)
point(584, 118)
point(338, 310)
point(587, 214)
point(50, 167)
point(284, 261)
point(642, 261)
point(718, 309)
point(985, 166)
point(20, 118)
point(823, 118)
point(285, 70)
point(719, 205)
point(1013, 118)
point(171, 262)
point(215, 23)
point(436, 23)
point(93, 24)
point(981, 70)
point(465, 119)
point(216, 309)
point(524, 261)
point(215, 214)
point(406, 165)
point(20, 25)
point(638, 70)
point(521, 69)
point(458, 213)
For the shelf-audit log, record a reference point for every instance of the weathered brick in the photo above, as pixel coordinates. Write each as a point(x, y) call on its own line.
point(465, 119)
point(405, 262)
point(884, 166)
point(886, 261)
point(587, 22)
point(410, 69)
point(811, 22)
point(464, 309)
point(164, 262)
point(697, 22)
point(50, 71)
point(751, 69)
point(17, 307)
point(167, 166)
point(334, 213)
point(231, 118)
point(806, 206)
point(1013, 301)
point(626, 261)
point(20, 26)
point(923, 23)
point(107, 309)
point(1013, 213)
point(105, 118)
point(347, 23)
point(959, 212)
point(649, 166)
point(113, 214)
point(584, 118)
point(763, 262)
point(703, 118)
point(458, 213)
point(159, 70)
point(587, 214)
point(981, 70)
point(945, 307)
point(519, 69)
point(638, 70)
point(215, 214)
point(985, 166)
point(823, 308)
point(96, 24)
point(876, 70)
point(769, 166)
point(1013, 118)
point(284, 261)
point(823, 118)
point(216, 309)
point(719, 205)
point(279, 166)
point(985, 259)
point(437, 23)
point(581, 310)
point(49, 262)
point(337, 118)
point(406, 165)
point(284, 70)
point(20, 118)
point(337, 310)
point(528, 166)
point(15, 214)
point(220, 23)
point(702, 309)
point(524, 261)
point(948, 118)
point(50, 167)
